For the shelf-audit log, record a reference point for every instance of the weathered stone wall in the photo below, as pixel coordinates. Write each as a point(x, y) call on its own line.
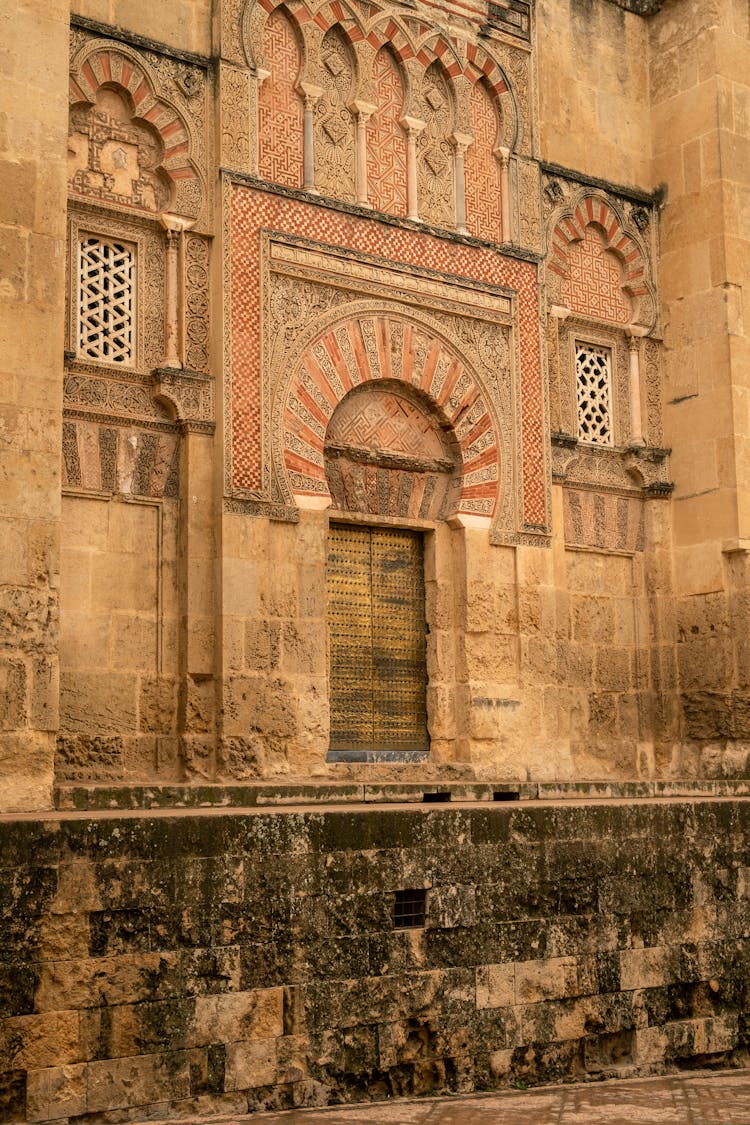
point(185, 962)
point(119, 640)
point(32, 301)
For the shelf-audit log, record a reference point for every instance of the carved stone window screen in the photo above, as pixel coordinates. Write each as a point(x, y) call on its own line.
point(145, 238)
point(593, 373)
point(106, 300)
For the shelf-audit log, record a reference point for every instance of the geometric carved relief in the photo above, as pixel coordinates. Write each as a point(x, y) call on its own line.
point(598, 269)
point(435, 168)
point(115, 158)
point(279, 105)
point(287, 293)
point(596, 519)
point(594, 285)
point(385, 454)
point(386, 142)
point(482, 170)
point(334, 124)
point(104, 294)
point(594, 393)
point(197, 310)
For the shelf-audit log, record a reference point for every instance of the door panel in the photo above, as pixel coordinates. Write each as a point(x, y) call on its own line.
point(377, 639)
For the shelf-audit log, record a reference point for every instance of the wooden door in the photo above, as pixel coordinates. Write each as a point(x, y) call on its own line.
point(376, 621)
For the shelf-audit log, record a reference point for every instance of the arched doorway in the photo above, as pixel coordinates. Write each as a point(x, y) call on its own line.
point(387, 457)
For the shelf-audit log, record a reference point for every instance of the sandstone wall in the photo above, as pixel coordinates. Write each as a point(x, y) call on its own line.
point(179, 963)
point(183, 24)
point(701, 142)
point(32, 301)
point(593, 79)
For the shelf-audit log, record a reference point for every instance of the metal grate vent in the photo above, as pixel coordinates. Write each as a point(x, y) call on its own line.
point(409, 908)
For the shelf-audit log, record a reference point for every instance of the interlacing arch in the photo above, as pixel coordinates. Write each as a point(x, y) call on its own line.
point(422, 42)
point(590, 209)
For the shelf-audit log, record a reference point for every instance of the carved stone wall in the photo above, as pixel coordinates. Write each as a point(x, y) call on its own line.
point(436, 175)
point(138, 128)
point(324, 289)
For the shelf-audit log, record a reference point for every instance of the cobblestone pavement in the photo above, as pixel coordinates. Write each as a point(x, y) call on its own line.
point(708, 1099)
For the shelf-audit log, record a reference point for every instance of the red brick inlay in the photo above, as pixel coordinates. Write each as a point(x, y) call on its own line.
point(603, 267)
point(386, 142)
point(482, 170)
point(280, 112)
point(252, 211)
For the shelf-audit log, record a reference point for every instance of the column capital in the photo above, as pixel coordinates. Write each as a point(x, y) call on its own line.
point(363, 110)
point(175, 224)
point(462, 141)
point(310, 93)
point(502, 155)
point(412, 125)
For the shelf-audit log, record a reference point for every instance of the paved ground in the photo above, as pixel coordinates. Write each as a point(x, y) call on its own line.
point(721, 1098)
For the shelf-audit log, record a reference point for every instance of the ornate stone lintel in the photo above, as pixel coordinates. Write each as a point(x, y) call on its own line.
point(188, 393)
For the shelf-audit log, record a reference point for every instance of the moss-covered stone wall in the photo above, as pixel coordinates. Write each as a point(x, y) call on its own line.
point(203, 961)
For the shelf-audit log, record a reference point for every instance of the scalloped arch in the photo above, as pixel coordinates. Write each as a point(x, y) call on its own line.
point(368, 347)
point(114, 64)
point(568, 226)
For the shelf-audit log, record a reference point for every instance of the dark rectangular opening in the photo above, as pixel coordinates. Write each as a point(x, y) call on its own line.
point(505, 795)
point(409, 908)
point(435, 798)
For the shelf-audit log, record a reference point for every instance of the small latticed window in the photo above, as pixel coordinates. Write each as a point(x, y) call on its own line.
point(409, 908)
point(594, 393)
point(106, 300)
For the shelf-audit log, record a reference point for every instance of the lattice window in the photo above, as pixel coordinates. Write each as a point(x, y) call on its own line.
point(594, 393)
point(106, 300)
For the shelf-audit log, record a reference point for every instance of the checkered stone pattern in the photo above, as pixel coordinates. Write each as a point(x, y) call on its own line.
point(482, 170)
point(252, 211)
point(280, 113)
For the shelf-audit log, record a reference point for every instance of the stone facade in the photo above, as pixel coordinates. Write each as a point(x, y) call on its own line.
point(183, 962)
point(437, 270)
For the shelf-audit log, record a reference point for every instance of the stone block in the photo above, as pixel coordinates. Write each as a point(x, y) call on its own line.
point(46, 1040)
point(56, 1092)
point(240, 1016)
point(140, 1080)
point(249, 1065)
point(649, 967)
point(496, 986)
point(102, 701)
